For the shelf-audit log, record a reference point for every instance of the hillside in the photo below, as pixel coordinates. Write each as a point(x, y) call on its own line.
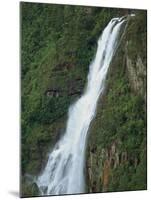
point(57, 45)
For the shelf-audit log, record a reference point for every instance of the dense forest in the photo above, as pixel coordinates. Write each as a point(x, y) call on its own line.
point(58, 42)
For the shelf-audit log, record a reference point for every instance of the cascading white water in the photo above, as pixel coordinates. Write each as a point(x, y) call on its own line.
point(64, 171)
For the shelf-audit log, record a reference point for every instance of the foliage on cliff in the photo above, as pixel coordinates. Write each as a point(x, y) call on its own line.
point(117, 142)
point(57, 44)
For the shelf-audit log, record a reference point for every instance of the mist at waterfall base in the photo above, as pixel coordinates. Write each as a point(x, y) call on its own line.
point(64, 171)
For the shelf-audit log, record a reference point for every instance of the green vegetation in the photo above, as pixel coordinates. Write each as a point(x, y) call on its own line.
point(57, 44)
point(120, 124)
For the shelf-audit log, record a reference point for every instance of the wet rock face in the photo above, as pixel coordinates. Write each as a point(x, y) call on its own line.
point(29, 188)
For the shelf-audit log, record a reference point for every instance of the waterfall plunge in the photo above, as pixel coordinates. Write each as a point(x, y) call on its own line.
point(64, 171)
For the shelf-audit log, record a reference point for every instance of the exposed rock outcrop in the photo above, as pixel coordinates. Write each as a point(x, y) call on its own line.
point(53, 93)
point(136, 72)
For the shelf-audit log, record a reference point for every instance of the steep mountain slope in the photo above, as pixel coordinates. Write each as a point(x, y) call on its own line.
point(117, 143)
point(58, 43)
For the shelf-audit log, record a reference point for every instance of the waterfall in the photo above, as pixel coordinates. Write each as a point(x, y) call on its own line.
point(64, 171)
